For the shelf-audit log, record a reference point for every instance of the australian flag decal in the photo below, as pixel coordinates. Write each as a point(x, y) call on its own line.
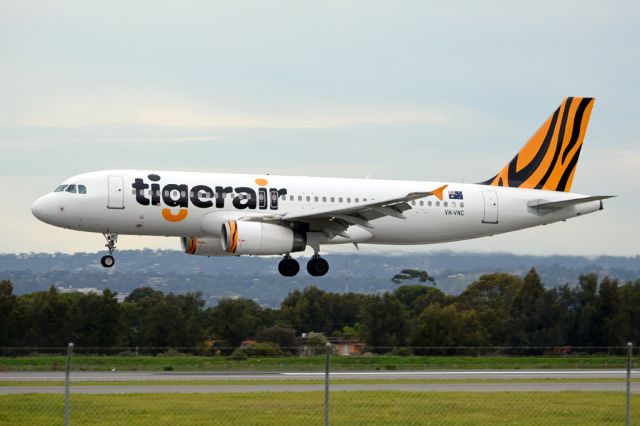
point(455, 195)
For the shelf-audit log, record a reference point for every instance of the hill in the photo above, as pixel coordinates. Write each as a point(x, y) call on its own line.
point(258, 279)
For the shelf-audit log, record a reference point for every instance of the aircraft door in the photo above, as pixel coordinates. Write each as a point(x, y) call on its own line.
point(116, 192)
point(490, 207)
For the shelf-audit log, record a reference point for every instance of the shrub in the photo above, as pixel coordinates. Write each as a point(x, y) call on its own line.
point(403, 351)
point(257, 350)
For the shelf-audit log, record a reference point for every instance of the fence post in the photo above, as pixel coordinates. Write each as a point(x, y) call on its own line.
point(629, 362)
point(326, 383)
point(66, 384)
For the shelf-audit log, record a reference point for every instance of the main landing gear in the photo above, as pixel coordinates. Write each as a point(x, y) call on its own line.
point(317, 266)
point(288, 267)
point(108, 261)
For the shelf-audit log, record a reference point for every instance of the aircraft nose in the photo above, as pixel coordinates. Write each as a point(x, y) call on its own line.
point(39, 209)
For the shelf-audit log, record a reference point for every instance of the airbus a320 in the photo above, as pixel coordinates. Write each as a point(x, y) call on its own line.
point(217, 214)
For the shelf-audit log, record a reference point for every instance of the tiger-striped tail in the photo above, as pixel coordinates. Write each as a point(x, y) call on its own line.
point(549, 159)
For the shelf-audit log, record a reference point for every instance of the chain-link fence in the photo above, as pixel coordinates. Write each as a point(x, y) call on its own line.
point(335, 384)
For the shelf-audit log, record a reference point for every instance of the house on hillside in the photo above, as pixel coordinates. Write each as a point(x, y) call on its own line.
point(313, 344)
point(347, 346)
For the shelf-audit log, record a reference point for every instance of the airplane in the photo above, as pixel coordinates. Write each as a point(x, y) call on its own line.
point(217, 214)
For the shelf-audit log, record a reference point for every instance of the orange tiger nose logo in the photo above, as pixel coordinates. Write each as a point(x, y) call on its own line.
point(169, 216)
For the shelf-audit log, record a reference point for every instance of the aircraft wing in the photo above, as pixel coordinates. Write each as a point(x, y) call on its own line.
point(334, 221)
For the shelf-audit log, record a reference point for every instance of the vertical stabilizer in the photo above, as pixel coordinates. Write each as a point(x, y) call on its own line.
point(549, 159)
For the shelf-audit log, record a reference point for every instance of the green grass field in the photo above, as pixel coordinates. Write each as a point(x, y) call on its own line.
point(294, 363)
point(353, 408)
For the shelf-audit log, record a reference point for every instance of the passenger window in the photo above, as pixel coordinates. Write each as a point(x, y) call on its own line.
point(461, 203)
point(453, 204)
point(421, 203)
point(446, 204)
point(61, 188)
point(340, 199)
point(324, 199)
point(333, 199)
point(437, 203)
point(315, 199)
point(71, 188)
point(284, 198)
point(429, 203)
point(308, 198)
point(82, 189)
point(348, 200)
point(413, 202)
point(357, 200)
point(299, 197)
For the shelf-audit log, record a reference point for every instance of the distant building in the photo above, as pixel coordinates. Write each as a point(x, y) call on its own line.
point(347, 346)
point(313, 344)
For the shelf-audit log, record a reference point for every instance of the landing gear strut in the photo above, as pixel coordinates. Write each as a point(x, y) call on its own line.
point(317, 266)
point(288, 266)
point(108, 261)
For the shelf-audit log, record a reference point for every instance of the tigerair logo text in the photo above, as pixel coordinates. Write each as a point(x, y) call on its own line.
point(202, 196)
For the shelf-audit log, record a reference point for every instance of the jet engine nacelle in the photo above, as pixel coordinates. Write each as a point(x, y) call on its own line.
point(258, 238)
point(203, 246)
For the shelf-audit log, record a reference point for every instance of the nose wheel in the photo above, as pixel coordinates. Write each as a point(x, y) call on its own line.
point(317, 266)
point(288, 267)
point(108, 261)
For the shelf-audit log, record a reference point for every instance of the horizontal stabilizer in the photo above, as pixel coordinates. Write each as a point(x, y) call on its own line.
point(554, 205)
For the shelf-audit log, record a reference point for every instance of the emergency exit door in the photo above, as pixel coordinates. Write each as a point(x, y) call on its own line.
point(490, 207)
point(116, 192)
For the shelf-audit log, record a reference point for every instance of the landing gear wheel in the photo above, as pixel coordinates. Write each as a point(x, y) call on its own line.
point(317, 266)
point(107, 261)
point(288, 267)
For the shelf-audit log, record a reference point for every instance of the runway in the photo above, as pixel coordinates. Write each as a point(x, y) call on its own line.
point(306, 375)
point(410, 381)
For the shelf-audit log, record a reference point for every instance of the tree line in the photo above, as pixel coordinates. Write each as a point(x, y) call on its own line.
point(497, 310)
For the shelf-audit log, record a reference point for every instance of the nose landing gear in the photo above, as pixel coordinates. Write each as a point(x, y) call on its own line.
point(108, 261)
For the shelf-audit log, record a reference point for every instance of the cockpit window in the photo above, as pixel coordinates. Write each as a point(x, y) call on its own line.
point(61, 188)
point(71, 188)
point(82, 189)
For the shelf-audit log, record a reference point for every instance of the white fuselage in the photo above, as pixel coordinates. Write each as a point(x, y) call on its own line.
point(111, 204)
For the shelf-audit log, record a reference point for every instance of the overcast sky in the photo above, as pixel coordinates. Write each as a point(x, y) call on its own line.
point(392, 90)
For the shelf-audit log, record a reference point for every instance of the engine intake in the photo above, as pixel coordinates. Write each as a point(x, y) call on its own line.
point(203, 246)
point(258, 238)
